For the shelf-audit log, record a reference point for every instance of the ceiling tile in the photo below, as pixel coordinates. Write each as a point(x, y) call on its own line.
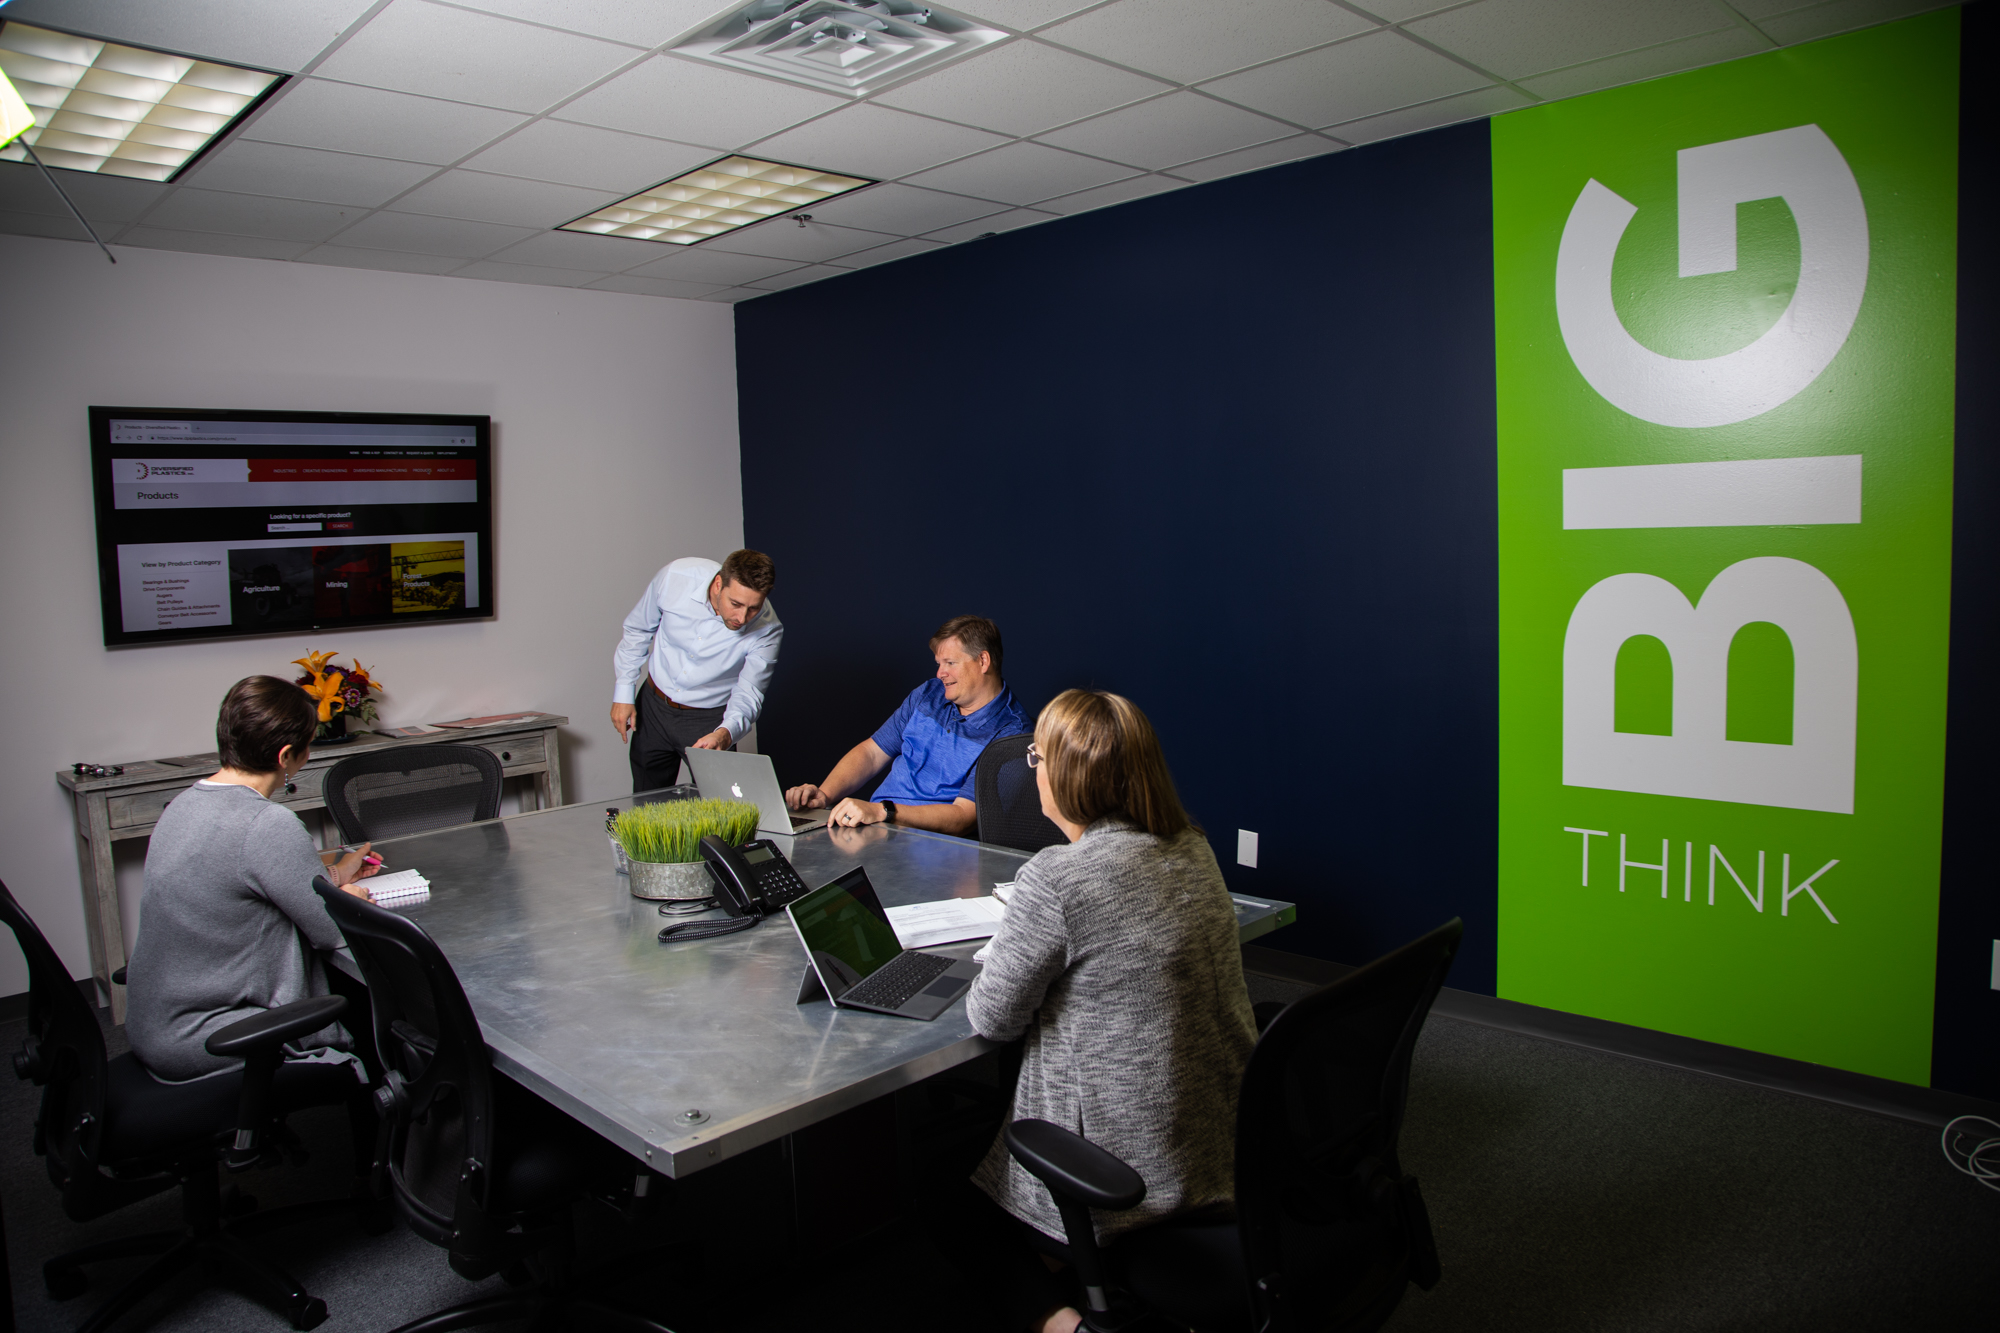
point(1022, 14)
point(1020, 88)
point(882, 254)
point(599, 159)
point(208, 243)
point(784, 238)
point(1759, 10)
point(1116, 193)
point(569, 249)
point(705, 265)
point(875, 141)
point(1191, 40)
point(337, 116)
point(1395, 11)
point(251, 215)
point(503, 199)
point(695, 103)
point(414, 46)
point(1021, 173)
point(999, 222)
point(1170, 129)
point(1364, 77)
point(731, 295)
point(798, 277)
point(1842, 16)
point(532, 274)
point(249, 167)
point(62, 228)
point(1253, 159)
point(1444, 111)
point(431, 236)
point(901, 210)
point(625, 282)
point(387, 261)
point(1651, 63)
point(103, 199)
point(646, 23)
point(1516, 38)
point(283, 37)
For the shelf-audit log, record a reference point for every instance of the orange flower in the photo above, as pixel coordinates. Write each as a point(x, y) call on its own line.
point(326, 689)
point(363, 677)
point(313, 662)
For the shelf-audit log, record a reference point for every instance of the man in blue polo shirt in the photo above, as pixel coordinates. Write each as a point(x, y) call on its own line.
point(931, 744)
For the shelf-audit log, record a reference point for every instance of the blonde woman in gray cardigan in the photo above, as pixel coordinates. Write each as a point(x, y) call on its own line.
point(1119, 964)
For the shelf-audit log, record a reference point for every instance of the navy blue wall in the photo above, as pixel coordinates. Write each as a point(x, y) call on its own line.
point(1229, 451)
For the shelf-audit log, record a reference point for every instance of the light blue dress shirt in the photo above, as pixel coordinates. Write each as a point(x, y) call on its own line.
point(674, 635)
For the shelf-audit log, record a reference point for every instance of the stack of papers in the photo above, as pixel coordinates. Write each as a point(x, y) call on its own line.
point(397, 888)
point(921, 925)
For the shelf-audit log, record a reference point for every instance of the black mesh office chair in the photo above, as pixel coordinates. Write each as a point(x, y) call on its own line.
point(1010, 805)
point(477, 1165)
point(412, 789)
point(1328, 1231)
point(113, 1134)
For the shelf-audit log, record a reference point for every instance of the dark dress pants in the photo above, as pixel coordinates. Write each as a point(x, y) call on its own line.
point(663, 733)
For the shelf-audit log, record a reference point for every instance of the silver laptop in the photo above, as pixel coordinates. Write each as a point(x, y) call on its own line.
point(731, 776)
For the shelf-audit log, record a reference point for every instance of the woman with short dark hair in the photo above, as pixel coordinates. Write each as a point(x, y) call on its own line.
point(1119, 963)
point(229, 925)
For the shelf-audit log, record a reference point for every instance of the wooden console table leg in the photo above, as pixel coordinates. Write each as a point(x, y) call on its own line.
point(549, 783)
point(103, 924)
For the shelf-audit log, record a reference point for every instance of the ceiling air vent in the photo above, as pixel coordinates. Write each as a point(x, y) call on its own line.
point(847, 46)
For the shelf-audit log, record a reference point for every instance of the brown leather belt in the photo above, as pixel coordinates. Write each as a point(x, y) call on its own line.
point(663, 695)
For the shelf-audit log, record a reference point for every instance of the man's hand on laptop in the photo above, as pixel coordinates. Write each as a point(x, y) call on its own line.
point(715, 740)
point(807, 797)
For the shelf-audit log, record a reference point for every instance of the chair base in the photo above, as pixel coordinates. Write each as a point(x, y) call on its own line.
point(542, 1309)
point(218, 1249)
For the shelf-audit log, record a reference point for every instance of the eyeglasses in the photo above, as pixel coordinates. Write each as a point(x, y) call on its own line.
point(1034, 756)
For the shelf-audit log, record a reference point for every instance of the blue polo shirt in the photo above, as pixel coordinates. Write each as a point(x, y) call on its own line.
point(935, 747)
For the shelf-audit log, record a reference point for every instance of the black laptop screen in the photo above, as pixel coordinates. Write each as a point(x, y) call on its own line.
point(844, 929)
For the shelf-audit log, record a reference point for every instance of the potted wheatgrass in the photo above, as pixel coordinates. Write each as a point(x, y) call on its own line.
point(663, 843)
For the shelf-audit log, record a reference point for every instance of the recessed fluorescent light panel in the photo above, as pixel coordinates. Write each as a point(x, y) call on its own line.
point(715, 199)
point(121, 110)
point(846, 46)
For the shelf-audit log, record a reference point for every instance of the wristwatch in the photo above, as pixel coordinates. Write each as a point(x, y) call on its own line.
point(888, 812)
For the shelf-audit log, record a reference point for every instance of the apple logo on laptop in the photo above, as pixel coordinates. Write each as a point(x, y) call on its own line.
point(736, 788)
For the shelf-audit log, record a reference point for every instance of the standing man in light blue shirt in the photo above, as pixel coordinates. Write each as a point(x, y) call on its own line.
point(694, 661)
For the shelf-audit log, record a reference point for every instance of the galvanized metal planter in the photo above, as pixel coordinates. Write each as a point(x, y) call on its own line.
point(671, 879)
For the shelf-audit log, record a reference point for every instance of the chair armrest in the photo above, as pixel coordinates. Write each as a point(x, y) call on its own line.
point(1074, 1167)
point(264, 1033)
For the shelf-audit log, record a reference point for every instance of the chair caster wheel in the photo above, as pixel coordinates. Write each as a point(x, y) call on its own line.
point(64, 1282)
point(310, 1315)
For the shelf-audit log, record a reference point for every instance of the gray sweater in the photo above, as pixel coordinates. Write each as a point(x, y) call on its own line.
point(229, 927)
point(1118, 959)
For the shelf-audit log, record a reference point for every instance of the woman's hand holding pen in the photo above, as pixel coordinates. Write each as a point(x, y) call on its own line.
point(356, 864)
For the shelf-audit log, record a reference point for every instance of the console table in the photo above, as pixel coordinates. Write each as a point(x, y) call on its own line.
point(112, 809)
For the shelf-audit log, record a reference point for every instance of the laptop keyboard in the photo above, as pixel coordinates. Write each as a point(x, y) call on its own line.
point(896, 983)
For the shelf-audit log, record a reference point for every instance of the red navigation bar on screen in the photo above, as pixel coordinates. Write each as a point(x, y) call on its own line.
point(363, 469)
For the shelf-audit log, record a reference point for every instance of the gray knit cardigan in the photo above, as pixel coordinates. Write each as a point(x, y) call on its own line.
point(1119, 961)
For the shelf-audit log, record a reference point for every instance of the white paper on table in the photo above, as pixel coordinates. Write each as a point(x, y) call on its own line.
point(921, 925)
point(393, 885)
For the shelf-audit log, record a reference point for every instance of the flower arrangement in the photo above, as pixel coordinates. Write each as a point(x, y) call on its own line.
point(339, 690)
point(671, 831)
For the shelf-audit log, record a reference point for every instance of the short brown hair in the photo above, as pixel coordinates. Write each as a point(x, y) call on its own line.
point(976, 633)
point(260, 716)
point(1104, 760)
point(753, 569)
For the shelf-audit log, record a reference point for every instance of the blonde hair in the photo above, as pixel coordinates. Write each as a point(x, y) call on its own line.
point(1104, 759)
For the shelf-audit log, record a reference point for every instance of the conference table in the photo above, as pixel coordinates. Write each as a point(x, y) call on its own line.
point(685, 1054)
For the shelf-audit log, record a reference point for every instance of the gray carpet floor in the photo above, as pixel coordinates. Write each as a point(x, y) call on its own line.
point(1570, 1190)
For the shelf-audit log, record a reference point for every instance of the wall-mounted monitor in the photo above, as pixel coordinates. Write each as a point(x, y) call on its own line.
point(223, 524)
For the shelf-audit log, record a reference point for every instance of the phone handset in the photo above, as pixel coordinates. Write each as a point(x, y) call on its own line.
point(751, 882)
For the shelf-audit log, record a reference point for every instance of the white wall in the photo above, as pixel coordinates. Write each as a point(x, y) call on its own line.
point(614, 428)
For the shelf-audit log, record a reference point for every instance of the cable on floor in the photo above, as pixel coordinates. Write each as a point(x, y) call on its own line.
point(1978, 1157)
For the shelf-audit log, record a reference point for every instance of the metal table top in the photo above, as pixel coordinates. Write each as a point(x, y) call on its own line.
point(580, 1002)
